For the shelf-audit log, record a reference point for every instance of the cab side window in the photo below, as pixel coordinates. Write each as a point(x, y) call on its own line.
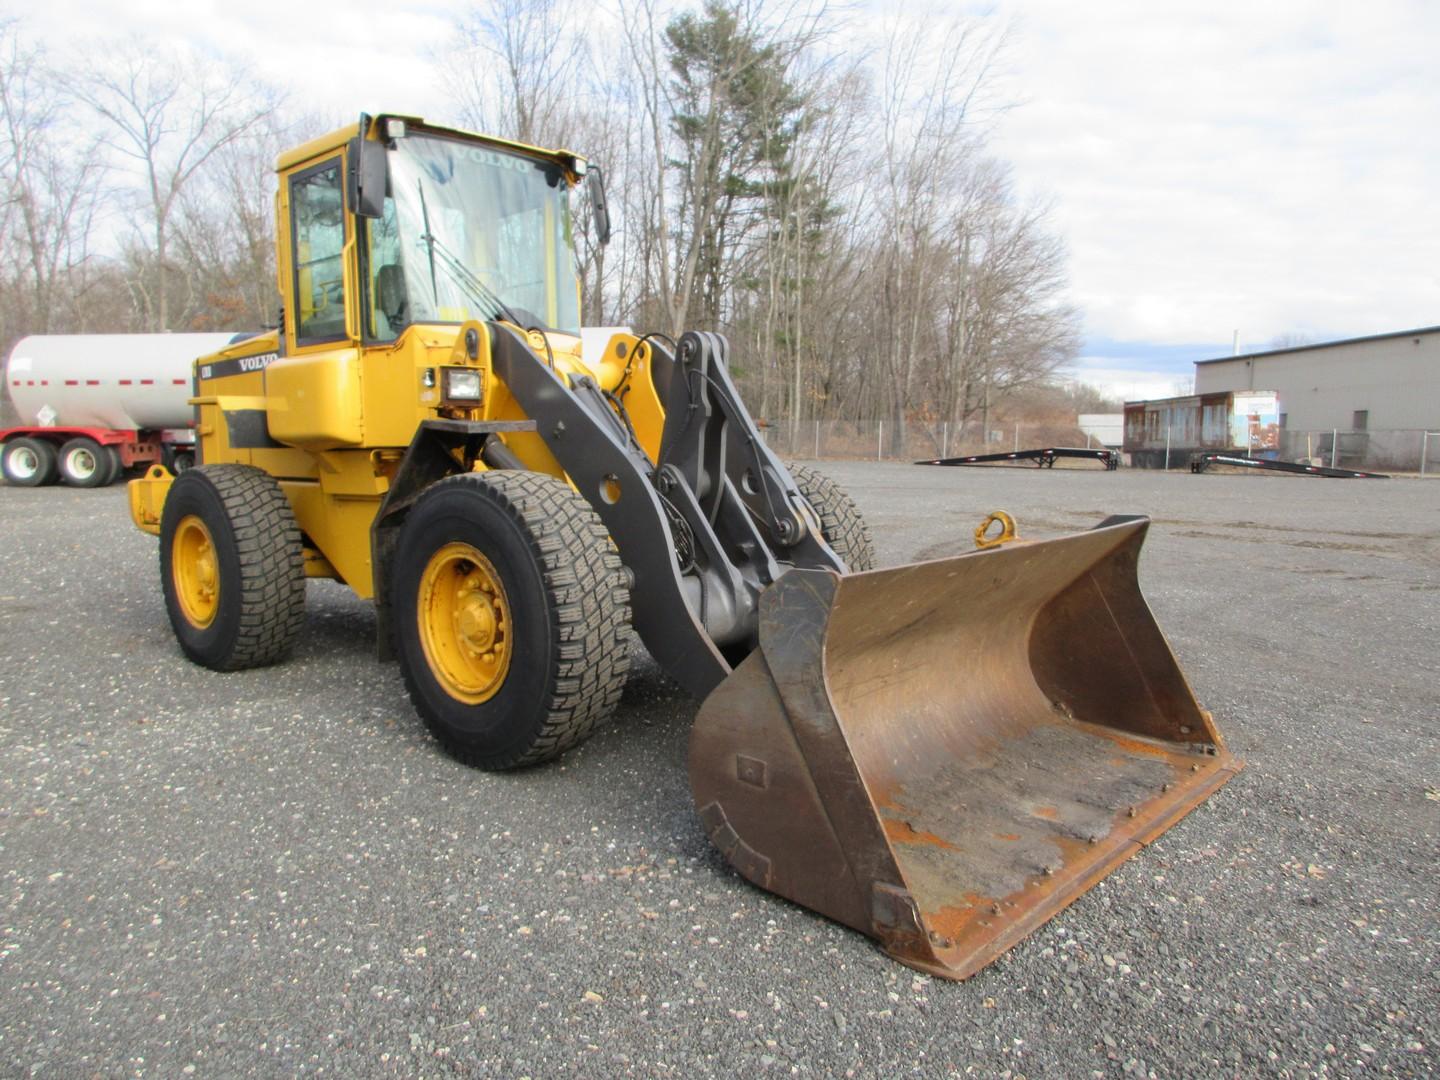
point(317, 210)
point(389, 308)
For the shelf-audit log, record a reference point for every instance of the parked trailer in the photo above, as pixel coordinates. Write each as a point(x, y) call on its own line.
point(93, 405)
point(1044, 457)
point(1165, 432)
point(1203, 460)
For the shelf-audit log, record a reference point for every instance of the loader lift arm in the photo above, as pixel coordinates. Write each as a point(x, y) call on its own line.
point(742, 520)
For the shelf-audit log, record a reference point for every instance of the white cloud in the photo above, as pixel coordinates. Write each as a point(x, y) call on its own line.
point(1215, 165)
point(1268, 167)
point(1129, 383)
point(335, 60)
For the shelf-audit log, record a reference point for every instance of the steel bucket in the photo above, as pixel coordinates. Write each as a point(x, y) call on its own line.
point(944, 755)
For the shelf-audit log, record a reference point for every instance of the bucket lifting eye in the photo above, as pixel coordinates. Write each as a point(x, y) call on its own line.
point(985, 538)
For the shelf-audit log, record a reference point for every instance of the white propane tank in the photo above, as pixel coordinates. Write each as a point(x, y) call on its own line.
point(124, 381)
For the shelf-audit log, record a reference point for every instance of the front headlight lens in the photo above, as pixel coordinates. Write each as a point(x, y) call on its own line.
point(462, 384)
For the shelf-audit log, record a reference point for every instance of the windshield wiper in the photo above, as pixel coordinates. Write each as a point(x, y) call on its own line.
point(461, 274)
point(430, 243)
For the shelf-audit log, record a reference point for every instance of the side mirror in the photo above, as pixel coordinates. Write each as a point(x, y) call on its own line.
point(368, 175)
point(595, 180)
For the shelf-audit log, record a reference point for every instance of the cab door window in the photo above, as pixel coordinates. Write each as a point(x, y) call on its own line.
point(317, 213)
point(388, 310)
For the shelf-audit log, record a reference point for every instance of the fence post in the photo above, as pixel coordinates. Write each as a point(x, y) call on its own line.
point(1017, 438)
point(1425, 450)
point(945, 438)
point(817, 440)
point(1334, 447)
point(1167, 442)
point(880, 441)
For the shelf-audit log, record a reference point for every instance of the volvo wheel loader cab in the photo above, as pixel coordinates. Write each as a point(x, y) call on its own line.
point(941, 756)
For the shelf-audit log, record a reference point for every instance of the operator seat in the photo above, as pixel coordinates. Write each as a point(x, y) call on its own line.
point(392, 295)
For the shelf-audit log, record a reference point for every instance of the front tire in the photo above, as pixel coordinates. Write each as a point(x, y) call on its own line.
point(28, 462)
point(841, 523)
point(232, 567)
point(511, 617)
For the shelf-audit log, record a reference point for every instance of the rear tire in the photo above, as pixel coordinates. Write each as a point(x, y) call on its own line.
point(117, 466)
point(841, 523)
point(28, 462)
point(177, 460)
point(511, 616)
point(232, 567)
point(84, 463)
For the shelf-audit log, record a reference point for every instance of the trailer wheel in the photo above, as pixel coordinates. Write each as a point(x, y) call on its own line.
point(841, 523)
point(28, 462)
point(84, 463)
point(511, 617)
point(116, 464)
point(232, 567)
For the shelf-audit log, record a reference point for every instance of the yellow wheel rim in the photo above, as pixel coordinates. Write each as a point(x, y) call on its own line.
point(465, 624)
point(195, 570)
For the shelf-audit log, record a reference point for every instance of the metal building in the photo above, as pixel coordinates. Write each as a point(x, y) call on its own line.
point(1368, 400)
point(1383, 382)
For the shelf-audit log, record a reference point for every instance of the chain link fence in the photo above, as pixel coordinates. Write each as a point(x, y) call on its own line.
point(883, 440)
point(1407, 450)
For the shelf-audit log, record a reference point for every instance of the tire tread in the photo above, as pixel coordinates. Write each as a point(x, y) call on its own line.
point(841, 522)
point(589, 611)
point(272, 564)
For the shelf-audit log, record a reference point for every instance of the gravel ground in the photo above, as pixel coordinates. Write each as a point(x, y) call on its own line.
point(276, 872)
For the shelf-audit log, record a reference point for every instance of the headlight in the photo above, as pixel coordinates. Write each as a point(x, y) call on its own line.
point(461, 384)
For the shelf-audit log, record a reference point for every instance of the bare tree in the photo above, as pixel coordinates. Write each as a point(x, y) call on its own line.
point(834, 212)
point(49, 189)
point(224, 250)
point(522, 70)
point(171, 114)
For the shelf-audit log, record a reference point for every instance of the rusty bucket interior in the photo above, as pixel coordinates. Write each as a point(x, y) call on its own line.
point(944, 755)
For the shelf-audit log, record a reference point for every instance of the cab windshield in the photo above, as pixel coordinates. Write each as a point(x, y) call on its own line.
point(466, 226)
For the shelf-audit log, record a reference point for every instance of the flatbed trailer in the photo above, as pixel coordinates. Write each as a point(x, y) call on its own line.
point(1043, 458)
point(1203, 460)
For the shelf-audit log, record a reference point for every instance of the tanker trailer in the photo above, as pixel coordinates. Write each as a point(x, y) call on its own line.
point(92, 405)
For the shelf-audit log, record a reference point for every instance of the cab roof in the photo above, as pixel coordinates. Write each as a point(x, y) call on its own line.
point(338, 138)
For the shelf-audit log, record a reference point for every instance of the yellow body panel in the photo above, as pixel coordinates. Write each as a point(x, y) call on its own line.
point(624, 370)
point(339, 527)
point(313, 400)
point(346, 414)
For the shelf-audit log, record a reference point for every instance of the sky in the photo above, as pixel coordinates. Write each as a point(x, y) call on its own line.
point(1268, 167)
point(1215, 167)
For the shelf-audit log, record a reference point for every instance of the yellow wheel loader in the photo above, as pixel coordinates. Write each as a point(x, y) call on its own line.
point(941, 755)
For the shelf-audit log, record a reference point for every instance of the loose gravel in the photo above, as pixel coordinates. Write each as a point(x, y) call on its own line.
point(278, 873)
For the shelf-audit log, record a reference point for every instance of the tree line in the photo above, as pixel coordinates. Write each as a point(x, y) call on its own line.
point(837, 211)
